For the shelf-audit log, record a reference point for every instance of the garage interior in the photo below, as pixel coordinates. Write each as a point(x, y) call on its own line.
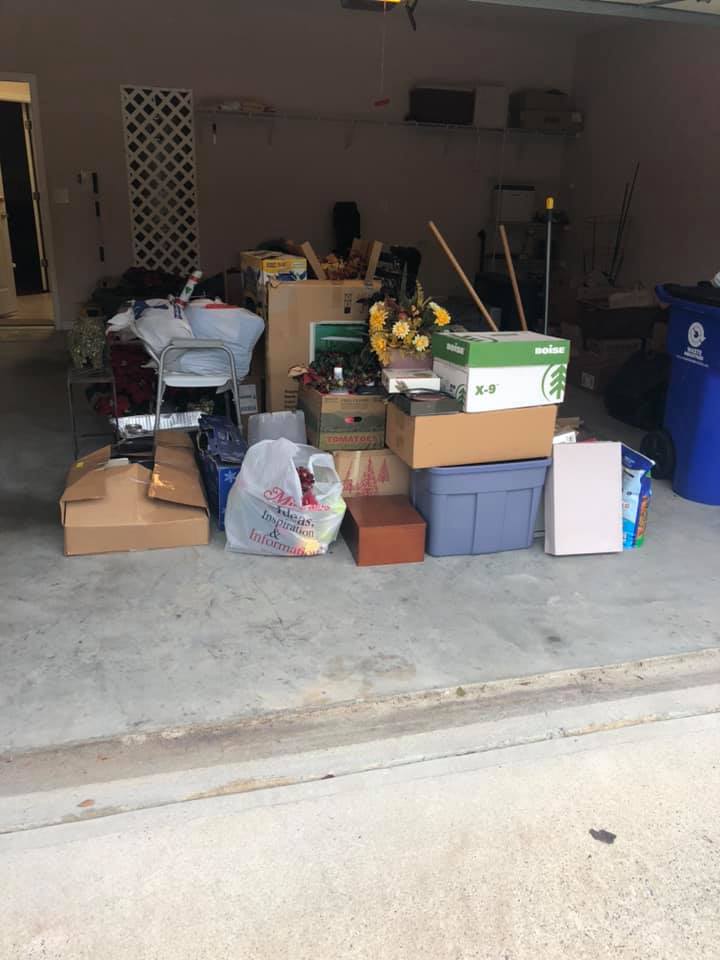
point(107, 645)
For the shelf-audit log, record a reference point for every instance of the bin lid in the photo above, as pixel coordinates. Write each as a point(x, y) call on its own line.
point(704, 293)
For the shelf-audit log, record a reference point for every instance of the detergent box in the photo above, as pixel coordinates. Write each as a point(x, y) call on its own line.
point(636, 493)
point(259, 267)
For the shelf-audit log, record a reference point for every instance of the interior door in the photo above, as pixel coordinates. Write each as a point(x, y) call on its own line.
point(8, 299)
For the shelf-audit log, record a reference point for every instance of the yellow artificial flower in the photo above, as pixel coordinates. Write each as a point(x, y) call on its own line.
point(379, 344)
point(409, 337)
point(378, 315)
point(421, 343)
point(442, 317)
point(401, 328)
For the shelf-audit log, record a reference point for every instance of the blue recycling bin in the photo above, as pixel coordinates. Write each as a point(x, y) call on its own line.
point(692, 411)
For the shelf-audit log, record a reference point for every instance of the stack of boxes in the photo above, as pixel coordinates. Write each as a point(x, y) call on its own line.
point(478, 473)
point(303, 319)
point(472, 458)
point(607, 328)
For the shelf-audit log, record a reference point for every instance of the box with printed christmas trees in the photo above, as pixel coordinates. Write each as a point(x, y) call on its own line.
point(372, 473)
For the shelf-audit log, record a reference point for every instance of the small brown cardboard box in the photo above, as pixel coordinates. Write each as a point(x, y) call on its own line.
point(115, 506)
point(569, 330)
point(382, 530)
point(459, 438)
point(591, 371)
point(346, 421)
point(292, 308)
point(371, 473)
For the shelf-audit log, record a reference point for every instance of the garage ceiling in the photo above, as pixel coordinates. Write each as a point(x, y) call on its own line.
point(688, 11)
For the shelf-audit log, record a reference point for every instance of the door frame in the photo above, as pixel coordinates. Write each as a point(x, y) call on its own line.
point(41, 184)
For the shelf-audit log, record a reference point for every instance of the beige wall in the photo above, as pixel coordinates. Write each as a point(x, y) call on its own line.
point(299, 55)
point(651, 94)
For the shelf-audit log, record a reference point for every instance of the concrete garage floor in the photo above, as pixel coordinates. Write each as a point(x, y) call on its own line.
point(99, 646)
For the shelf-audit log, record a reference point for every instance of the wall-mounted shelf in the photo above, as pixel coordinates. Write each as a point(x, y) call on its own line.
point(350, 124)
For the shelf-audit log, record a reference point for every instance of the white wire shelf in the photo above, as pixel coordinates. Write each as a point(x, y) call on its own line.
point(351, 122)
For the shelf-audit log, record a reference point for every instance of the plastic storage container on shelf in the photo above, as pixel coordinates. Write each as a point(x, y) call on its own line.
point(688, 450)
point(482, 508)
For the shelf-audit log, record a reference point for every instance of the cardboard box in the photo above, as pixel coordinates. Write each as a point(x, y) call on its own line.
point(371, 473)
point(501, 371)
point(583, 499)
point(343, 421)
point(615, 351)
point(569, 330)
point(383, 530)
point(398, 381)
point(462, 438)
point(259, 267)
point(111, 506)
point(539, 100)
point(218, 479)
point(292, 309)
point(549, 121)
point(590, 371)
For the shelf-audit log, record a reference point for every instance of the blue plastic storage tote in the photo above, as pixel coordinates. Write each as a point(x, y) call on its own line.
point(483, 508)
point(692, 409)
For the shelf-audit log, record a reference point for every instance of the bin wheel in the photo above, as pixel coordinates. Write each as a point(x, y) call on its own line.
point(659, 446)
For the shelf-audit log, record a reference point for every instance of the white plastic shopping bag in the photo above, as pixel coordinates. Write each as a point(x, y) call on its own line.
point(272, 510)
point(155, 322)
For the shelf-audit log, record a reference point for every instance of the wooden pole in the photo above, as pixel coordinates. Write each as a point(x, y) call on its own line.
point(513, 278)
point(461, 273)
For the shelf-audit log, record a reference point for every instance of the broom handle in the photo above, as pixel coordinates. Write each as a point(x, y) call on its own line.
point(513, 278)
point(461, 273)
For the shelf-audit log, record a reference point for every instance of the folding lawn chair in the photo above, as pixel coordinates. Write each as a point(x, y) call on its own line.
point(191, 381)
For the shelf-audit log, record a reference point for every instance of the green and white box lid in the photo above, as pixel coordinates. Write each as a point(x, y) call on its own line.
point(512, 348)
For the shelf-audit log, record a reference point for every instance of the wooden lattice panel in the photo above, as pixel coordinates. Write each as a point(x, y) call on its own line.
point(160, 153)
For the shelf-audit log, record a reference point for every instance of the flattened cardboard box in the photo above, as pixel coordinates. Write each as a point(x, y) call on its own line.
point(116, 506)
point(345, 421)
point(292, 309)
point(370, 473)
point(461, 438)
point(583, 499)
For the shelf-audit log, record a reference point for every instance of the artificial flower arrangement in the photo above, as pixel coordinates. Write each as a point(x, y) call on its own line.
point(360, 372)
point(405, 324)
point(350, 268)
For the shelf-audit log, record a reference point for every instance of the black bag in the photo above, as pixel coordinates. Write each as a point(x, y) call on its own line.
point(346, 226)
point(636, 394)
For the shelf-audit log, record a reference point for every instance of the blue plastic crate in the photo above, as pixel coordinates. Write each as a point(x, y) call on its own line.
point(482, 508)
point(218, 479)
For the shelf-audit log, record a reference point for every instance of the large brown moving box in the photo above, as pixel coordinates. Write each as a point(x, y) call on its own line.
point(292, 308)
point(110, 506)
point(459, 438)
